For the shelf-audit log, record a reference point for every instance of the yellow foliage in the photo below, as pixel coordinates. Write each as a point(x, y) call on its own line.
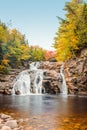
point(1, 67)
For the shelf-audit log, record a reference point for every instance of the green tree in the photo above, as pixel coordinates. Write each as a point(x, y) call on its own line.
point(37, 53)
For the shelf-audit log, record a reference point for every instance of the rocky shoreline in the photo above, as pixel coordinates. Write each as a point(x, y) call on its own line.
point(7, 122)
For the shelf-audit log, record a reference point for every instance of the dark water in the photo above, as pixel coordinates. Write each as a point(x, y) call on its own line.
point(48, 112)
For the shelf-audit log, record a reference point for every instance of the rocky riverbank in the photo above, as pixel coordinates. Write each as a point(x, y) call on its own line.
point(9, 122)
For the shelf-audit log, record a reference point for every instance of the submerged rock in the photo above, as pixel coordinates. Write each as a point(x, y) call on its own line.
point(5, 128)
point(8, 123)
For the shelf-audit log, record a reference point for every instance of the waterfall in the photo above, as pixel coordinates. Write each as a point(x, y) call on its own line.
point(22, 83)
point(64, 86)
point(29, 81)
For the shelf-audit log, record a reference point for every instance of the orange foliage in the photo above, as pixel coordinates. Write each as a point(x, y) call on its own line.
point(50, 54)
point(5, 62)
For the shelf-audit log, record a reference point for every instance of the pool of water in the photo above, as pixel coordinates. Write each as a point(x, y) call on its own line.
point(48, 112)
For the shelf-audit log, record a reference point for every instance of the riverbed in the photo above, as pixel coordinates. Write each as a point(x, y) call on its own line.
point(47, 112)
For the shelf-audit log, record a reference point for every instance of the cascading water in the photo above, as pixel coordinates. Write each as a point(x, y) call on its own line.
point(64, 86)
point(22, 83)
point(29, 81)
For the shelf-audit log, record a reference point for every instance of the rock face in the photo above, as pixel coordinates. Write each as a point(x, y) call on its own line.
point(52, 80)
point(6, 81)
point(76, 74)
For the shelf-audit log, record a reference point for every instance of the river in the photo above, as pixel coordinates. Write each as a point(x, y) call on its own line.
point(48, 112)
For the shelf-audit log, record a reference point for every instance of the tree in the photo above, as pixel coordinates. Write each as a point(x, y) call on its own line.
point(13, 47)
point(81, 28)
point(1, 53)
point(36, 53)
point(50, 55)
point(72, 31)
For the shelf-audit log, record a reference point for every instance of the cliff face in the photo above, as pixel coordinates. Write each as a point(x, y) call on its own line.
point(76, 74)
point(52, 80)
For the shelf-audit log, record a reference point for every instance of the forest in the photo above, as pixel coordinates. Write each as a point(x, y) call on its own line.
point(14, 49)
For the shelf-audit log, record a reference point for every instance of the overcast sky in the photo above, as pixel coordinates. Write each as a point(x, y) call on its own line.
point(34, 18)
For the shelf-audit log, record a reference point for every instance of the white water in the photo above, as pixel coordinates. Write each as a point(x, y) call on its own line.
point(22, 83)
point(29, 81)
point(64, 86)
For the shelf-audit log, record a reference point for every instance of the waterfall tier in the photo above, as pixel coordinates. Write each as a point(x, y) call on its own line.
point(64, 86)
point(29, 81)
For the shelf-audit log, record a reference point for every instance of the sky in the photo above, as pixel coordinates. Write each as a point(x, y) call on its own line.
point(34, 18)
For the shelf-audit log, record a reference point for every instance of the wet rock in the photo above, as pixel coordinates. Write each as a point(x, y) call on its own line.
point(1, 121)
point(5, 128)
point(52, 79)
point(6, 81)
point(8, 123)
point(28, 128)
point(11, 123)
point(4, 116)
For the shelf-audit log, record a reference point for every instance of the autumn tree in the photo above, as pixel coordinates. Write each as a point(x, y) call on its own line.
point(81, 28)
point(13, 47)
point(69, 38)
point(36, 53)
point(50, 55)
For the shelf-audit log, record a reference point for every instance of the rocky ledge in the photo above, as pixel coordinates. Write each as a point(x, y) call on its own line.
point(6, 81)
point(52, 79)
